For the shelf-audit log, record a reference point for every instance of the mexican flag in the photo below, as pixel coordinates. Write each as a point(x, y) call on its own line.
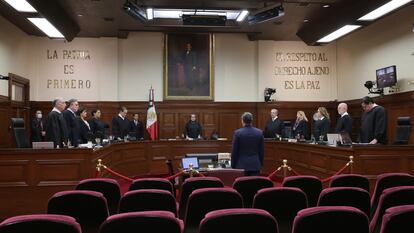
point(152, 126)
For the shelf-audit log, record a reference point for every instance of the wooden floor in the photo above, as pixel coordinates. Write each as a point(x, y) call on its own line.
point(29, 177)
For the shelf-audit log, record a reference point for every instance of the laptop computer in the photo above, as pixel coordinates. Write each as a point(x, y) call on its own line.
point(43, 145)
point(333, 138)
point(186, 162)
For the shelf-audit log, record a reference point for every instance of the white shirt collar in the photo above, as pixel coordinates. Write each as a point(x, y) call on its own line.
point(344, 114)
point(123, 118)
point(56, 110)
point(274, 118)
point(322, 118)
point(71, 111)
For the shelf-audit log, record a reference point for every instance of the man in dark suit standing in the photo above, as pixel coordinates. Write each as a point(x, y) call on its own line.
point(120, 124)
point(190, 66)
point(373, 122)
point(56, 129)
point(137, 127)
point(38, 127)
point(72, 121)
point(248, 147)
point(344, 123)
point(273, 126)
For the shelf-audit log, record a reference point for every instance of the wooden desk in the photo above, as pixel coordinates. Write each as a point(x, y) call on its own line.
point(29, 177)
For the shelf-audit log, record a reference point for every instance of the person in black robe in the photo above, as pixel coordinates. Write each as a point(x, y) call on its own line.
point(344, 122)
point(72, 121)
point(56, 129)
point(274, 126)
point(85, 133)
point(322, 125)
point(300, 128)
point(193, 129)
point(97, 126)
point(137, 127)
point(373, 122)
point(38, 127)
point(120, 124)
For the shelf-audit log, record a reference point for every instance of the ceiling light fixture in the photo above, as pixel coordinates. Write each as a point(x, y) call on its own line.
point(384, 9)
point(134, 11)
point(150, 13)
point(338, 33)
point(242, 16)
point(44, 25)
point(21, 5)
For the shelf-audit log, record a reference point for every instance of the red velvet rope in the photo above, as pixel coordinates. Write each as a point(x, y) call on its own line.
point(273, 173)
point(118, 175)
point(295, 172)
point(337, 173)
point(201, 174)
point(175, 175)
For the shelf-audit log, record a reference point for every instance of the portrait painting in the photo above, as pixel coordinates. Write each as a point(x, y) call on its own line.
point(188, 69)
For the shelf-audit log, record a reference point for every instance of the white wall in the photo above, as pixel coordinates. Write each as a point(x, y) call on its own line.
point(297, 71)
point(13, 52)
point(389, 41)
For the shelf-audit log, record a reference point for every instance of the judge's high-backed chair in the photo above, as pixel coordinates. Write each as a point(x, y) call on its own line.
point(19, 132)
point(403, 130)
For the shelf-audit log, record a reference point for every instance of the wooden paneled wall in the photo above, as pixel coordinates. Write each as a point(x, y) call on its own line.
point(222, 117)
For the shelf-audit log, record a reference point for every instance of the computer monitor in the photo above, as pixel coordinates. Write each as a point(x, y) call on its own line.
point(190, 160)
point(386, 77)
point(204, 159)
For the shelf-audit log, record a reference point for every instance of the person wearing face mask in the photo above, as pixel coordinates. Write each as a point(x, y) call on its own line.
point(38, 127)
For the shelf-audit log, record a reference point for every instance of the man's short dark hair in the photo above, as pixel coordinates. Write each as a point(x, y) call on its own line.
point(247, 118)
point(136, 114)
point(121, 109)
point(80, 110)
point(72, 101)
point(367, 100)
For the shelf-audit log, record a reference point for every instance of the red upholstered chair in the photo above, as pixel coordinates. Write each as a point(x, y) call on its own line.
point(389, 180)
point(228, 176)
point(346, 196)
point(398, 219)
point(350, 180)
point(152, 183)
point(40, 223)
point(143, 222)
point(238, 220)
point(147, 200)
point(248, 186)
point(192, 184)
point(396, 196)
point(283, 203)
point(89, 208)
point(202, 201)
point(311, 185)
point(330, 219)
point(108, 187)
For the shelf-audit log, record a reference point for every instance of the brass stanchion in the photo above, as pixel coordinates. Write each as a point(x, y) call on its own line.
point(351, 164)
point(285, 168)
point(190, 170)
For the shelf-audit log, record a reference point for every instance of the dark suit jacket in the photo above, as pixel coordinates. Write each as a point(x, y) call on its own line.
point(97, 127)
point(120, 128)
point(344, 124)
point(301, 128)
point(56, 129)
point(85, 134)
point(72, 123)
point(374, 125)
point(37, 127)
point(273, 127)
point(248, 149)
point(321, 128)
point(138, 129)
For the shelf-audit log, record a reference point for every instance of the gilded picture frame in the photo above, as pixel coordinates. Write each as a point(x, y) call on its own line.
point(188, 66)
